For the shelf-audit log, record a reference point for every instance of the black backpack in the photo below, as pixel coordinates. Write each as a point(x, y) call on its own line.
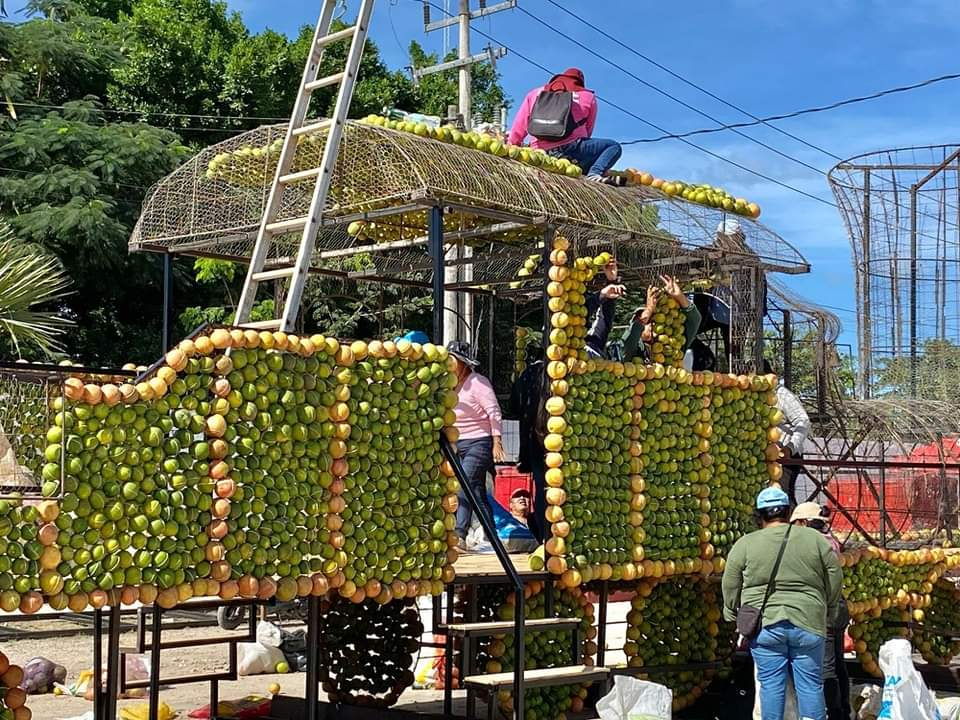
point(552, 116)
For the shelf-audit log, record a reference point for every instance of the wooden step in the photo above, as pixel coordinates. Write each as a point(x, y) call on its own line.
point(333, 37)
point(486, 629)
point(314, 127)
point(284, 226)
point(542, 677)
point(276, 274)
point(485, 569)
point(263, 324)
point(300, 176)
point(327, 81)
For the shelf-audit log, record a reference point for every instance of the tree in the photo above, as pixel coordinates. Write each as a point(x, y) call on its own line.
point(806, 364)
point(29, 278)
point(933, 377)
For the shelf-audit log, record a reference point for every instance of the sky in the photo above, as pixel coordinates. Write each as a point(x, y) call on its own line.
point(765, 57)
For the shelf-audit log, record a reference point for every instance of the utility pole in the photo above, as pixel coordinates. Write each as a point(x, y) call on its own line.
point(458, 318)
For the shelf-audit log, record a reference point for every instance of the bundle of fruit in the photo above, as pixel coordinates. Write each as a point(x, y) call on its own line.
point(872, 629)
point(936, 638)
point(481, 142)
point(668, 333)
point(12, 698)
point(367, 650)
point(522, 339)
point(701, 194)
point(673, 465)
point(544, 649)
point(673, 627)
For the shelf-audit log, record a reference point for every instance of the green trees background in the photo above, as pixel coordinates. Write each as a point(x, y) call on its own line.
point(100, 99)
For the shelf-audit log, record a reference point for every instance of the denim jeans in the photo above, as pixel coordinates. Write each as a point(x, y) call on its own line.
point(476, 456)
point(594, 155)
point(781, 650)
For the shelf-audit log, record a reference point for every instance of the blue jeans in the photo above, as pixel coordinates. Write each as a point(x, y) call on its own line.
point(781, 649)
point(594, 155)
point(476, 457)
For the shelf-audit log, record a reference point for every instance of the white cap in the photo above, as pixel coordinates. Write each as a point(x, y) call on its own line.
point(730, 226)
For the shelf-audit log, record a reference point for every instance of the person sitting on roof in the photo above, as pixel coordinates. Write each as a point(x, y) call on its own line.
point(560, 118)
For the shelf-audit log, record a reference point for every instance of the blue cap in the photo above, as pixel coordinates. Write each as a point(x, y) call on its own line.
point(772, 497)
point(416, 336)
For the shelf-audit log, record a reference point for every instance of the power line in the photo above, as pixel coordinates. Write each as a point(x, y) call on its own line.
point(656, 127)
point(661, 91)
point(797, 113)
point(756, 120)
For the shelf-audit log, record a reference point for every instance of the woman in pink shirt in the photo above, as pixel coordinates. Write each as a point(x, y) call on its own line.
point(481, 433)
point(595, 156)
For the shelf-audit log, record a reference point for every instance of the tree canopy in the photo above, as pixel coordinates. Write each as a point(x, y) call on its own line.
point(99, 99)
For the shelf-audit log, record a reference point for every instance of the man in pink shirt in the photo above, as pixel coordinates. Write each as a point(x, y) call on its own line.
point(595, 156)
point(481, 433)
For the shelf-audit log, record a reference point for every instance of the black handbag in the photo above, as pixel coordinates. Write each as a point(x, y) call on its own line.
point(749, 618)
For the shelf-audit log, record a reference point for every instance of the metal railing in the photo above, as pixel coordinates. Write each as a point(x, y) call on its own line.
point(486, 522)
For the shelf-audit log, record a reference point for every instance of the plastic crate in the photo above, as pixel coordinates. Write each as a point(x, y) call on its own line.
point(509, 480)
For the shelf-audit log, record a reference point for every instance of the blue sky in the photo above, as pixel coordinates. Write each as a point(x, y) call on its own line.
point(767, 57)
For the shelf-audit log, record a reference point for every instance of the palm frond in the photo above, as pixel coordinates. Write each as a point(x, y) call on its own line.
point(29, 277)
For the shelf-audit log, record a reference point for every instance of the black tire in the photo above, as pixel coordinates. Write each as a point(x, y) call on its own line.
point(230, 617)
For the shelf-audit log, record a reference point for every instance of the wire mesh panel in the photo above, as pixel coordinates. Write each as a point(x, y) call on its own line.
point(24, 419)
point(901, 210)
point(212, 205)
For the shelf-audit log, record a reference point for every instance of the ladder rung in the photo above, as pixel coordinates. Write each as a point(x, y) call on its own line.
point(336, 36)
point(325, 82)
point(283, 272)
point(263, 324)
point(286, 225)
point(312, 127)
point(298, 176)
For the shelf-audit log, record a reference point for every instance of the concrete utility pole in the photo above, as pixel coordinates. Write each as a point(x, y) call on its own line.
point(458, 317)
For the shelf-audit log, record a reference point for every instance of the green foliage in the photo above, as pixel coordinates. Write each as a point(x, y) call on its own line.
point(74, 183)
point(193, 317)
point(806, 363)
point(936, 371)
point(30, 277)
point(214, 271)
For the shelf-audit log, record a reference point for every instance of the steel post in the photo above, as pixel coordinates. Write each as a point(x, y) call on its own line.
point(313, 651)
point(435, 232)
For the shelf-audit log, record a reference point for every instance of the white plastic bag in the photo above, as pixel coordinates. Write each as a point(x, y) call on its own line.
point(865, 701)
point(904, 693)
point(257, 658)
point(633, 699)
point(269, 634)
point(949, 708)
point(789, 704)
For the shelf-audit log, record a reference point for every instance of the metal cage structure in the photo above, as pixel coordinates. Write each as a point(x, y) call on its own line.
point(901, 208)
point(376, 226)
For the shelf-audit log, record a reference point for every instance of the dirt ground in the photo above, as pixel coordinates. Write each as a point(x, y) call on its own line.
point(75, 652)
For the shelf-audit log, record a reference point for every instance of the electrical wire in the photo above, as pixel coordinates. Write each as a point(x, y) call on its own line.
point(656, 127)
point(755, 120)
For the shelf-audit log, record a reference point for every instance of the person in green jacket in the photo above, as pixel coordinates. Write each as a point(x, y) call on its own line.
point(639, 335)
point(805, 597)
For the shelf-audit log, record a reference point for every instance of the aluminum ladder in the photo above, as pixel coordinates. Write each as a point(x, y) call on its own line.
point(270, 226)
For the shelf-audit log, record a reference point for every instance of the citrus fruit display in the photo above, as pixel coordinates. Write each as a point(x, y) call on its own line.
point(367, 649)
point(875, 577)
point(544, 648)
point(743, 452)
point(674, 418)
point(701, 194)
point(246, 463)
point(872, 629)
point(13, 698)
point(413, 225)
point(672, 624)
point(936, 638)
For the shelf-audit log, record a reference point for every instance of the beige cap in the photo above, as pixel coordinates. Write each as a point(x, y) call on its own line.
point(805, 511)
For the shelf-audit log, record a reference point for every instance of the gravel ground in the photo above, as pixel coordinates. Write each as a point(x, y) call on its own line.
point(75, 652)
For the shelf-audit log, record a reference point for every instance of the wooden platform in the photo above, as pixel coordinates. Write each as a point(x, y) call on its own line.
point(540, 677)
point(483, 568)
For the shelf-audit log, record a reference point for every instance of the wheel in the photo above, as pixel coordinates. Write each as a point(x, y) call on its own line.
point(231, 617)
